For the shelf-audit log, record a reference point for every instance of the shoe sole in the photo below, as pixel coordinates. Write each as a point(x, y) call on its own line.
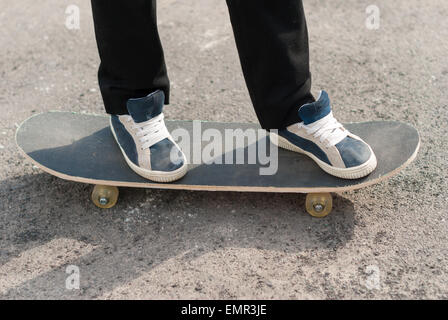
point(345, 173)
point(156, 176)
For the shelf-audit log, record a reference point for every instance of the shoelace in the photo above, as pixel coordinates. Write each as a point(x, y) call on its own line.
point(152, 131)
point(326, 129)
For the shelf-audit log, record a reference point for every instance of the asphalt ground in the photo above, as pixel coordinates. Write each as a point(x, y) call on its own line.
point(385, 241)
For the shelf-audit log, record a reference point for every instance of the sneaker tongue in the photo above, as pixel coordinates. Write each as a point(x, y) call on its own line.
point(146, 108)
point(311, 112)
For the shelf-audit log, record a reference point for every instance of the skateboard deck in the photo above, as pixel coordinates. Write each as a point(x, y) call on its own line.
point(81, 148)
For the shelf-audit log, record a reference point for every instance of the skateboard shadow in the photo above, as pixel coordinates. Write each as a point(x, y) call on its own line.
point(147, 230)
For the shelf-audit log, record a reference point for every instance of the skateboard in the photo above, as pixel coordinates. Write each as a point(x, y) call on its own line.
point(222, 157)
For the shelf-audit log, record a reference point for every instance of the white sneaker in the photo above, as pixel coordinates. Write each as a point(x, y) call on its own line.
point(145, 142)
point(321, 137)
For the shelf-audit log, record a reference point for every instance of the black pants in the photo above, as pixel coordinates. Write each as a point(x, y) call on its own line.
point(272, 42)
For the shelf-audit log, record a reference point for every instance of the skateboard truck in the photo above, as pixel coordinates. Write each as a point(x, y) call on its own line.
point(318, 205)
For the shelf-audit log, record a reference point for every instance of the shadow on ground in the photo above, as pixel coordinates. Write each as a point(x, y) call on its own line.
point(149, 227)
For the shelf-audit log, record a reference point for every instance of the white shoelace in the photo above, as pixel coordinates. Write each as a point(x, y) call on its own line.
point(326, 129)
point(152, 131)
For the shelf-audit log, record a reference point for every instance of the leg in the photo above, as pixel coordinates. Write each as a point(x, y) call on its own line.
point(272, 41)
point(132, 61)
point(135, 86)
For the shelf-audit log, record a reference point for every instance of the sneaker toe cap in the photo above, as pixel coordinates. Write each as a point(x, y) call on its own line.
point(166, 156)
point(353, 152)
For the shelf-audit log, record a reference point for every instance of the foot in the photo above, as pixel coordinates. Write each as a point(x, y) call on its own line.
point(321, 137)
point(145, 142)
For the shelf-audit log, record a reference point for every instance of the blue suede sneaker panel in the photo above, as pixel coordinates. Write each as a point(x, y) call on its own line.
point(314, 111)
point(353, 152)
point(161, 156)
point(144, 109)
point(125, 139)
point(305, 144)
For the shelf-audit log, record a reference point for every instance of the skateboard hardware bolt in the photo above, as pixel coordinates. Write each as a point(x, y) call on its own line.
point(318, 207)
point(103, 201)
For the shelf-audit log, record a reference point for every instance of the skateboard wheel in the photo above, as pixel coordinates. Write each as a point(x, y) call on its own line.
point(319, 205)
point(105, 197)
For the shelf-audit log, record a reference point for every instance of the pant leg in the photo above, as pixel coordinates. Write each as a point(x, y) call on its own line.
point(132, 60)
point(272, 41)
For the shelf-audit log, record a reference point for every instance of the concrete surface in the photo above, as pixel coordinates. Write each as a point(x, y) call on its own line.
point(386, 241)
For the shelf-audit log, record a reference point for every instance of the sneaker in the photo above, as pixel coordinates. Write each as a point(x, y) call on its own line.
point(145, 142)
point(321, 137)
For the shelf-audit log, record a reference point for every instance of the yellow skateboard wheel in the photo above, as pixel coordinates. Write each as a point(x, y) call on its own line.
point(319, 205)
point(105, 197)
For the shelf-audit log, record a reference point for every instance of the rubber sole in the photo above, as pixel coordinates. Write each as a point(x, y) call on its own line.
point(156, 176)
point(344, 173)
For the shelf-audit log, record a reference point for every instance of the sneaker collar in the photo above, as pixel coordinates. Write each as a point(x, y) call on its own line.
point(146, 108)
point(312, 112)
